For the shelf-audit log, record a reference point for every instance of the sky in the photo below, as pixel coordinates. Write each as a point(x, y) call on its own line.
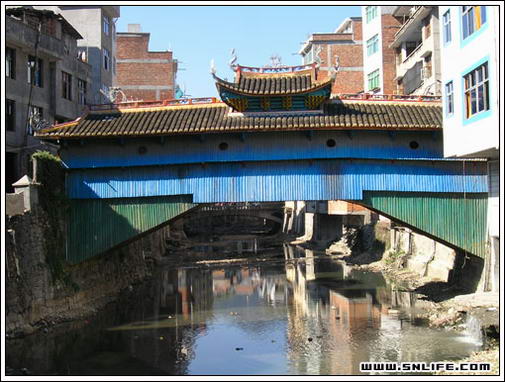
point(198, 34)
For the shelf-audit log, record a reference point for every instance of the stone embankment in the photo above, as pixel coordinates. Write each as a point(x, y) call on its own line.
point(40, 293)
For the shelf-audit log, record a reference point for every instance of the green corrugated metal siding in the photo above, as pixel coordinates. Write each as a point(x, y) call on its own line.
point(96, 225)
point(456, 218)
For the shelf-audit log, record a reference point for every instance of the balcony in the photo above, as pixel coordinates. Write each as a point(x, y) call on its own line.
point(16, 30)
point(412, 27)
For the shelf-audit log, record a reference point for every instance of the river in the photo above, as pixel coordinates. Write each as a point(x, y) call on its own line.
point(295, 313)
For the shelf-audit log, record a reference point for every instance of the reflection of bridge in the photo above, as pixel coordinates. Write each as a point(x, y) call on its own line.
point(269, 211)
point(278, 138)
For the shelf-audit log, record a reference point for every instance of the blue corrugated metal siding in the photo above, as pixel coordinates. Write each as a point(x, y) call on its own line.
point(459, 219)
point(279, 181)
point(97, 225)
point(255, 147)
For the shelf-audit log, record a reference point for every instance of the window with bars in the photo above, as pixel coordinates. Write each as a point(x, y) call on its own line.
point(10, 63)
point(371, 13)
point(35, 70)
point(476, 91)
point(66, 85)
point(446, 20)
point(10, 115)
point(449, 98)
point(474, 17)
point(372, 45)
point(374, 80)
point(82, 88)
point(106, 59)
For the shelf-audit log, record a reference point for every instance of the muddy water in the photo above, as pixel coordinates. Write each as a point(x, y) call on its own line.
point(297, 313)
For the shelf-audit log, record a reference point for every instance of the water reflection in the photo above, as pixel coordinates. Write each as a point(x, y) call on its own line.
point(302, 313)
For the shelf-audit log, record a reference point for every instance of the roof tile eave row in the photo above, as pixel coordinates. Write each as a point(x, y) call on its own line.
point(184, 120)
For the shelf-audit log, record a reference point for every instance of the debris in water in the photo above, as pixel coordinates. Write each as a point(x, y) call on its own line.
point(237, 349)
point(309, 339)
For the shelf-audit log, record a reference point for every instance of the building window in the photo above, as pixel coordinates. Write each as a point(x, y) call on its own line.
point(35, 71)
point(473, 18)
point(476, 91)
point(10, 115)
point(372, 45)
point(106, 59)
point(82, 89)
point(446, 19)
point(371, 13)
point(373, 80)
point(10, 63)
point(449, 98)
point(66, 86)
point(106, 25)
point(308, 57)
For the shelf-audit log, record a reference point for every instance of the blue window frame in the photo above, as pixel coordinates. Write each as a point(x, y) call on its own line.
point(446, 19)
point(449, 98)
point(476, 90)
point(473, 18)
point(371, 13)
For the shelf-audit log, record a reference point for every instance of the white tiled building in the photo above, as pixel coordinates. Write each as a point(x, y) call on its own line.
point(470, 73)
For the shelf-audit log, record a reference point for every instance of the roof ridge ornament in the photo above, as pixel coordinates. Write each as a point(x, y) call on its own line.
point(212, 68)
point(275, 61)
point(335, 68)
point(233, 61)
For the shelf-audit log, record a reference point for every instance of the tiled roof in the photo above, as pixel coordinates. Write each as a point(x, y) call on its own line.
point(272, 85)
point(217, 118)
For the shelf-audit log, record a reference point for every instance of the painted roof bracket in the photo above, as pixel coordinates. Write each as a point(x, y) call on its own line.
point(392, 135)
point(349, 134)
point(242, 137)
point(309, 134)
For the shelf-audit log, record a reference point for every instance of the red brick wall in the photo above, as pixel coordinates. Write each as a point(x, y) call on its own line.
point(350, 56)
point(144, 74)
point(390, 26)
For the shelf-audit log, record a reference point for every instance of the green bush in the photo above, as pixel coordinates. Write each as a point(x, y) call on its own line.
point(50, 174)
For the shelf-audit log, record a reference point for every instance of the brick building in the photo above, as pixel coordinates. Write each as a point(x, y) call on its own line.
point(346, 43)
point(379, 58)
point(142, 74)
